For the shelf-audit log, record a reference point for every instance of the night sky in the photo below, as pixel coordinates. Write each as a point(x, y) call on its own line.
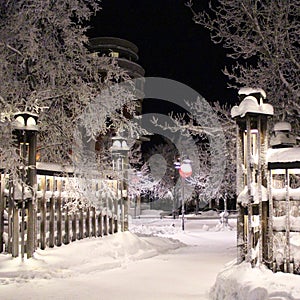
point(170, 44)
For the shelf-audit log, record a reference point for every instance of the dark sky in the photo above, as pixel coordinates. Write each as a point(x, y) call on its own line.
point(170, 44)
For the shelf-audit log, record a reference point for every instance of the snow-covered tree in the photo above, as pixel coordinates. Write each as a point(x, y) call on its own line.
point(8, 153)
point(262, 38)
point(140, 182)
point(161, 160)
point(46, 68)
point(216, 152)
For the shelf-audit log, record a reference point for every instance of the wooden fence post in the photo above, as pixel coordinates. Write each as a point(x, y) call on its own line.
point(80, 224)
point(110, 230)
point(115, 224)
point(105, 231)
point(31, 206)
point(10, 222)
point(74, 226)
point(10, 217)
point(15, 234)
point(94, 229)
point(87, 223)
point(51, 223)
point(122, 216)
point(100, 223)
point(38, 224)
point(67, 227)
point(59, 215)
point(43, 214)
point(43, 223)
point(31, 228)
point(35, 227)
point(2, 183)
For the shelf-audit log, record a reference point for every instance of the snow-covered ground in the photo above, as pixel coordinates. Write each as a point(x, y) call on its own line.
point(156, 260)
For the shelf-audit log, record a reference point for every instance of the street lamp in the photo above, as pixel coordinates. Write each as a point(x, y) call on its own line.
point(175, 202)
point(185, 171)
point(26, 128)
point(120, 151)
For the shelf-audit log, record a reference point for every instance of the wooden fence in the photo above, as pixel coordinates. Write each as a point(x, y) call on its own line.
point(54, 225)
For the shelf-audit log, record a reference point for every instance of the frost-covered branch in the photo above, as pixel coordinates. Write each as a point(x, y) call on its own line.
point(47, 68)
point(263, 38)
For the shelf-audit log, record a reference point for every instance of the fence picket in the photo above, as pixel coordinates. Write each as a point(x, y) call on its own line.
point(51, 222)
point(88, 223)
point(94, 229)
point(54, 225)
point(100, 225)
point(80, 224)
point(2, 184)
point(67, 226)
point(15, 235)
point(74, 227)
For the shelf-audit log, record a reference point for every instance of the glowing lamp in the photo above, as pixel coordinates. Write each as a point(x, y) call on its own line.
point(185, 170)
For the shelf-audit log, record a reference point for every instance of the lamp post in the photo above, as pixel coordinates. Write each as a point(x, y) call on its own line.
point(120, 151)
point(185, 171)
point(175, 204)
point(25, 128)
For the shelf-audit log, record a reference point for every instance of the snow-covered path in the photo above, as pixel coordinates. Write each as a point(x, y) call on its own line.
point(127, 266)
point(187, 273)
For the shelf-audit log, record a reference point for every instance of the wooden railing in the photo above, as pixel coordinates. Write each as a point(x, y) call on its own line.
point(54, 225)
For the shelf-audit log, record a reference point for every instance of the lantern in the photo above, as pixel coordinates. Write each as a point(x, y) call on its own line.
point(185, 170)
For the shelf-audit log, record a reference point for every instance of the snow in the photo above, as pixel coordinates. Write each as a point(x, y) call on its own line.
point(243, 197)
point(242, 282)
point(280, 194)
point(54, 167)
point(155, 260)
point(282, 126)
point(18, 192)
point(283, 139)
point(295, 223)
point(248, 91)
point(279, 223)
point(283, 155)
point(250, 105)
